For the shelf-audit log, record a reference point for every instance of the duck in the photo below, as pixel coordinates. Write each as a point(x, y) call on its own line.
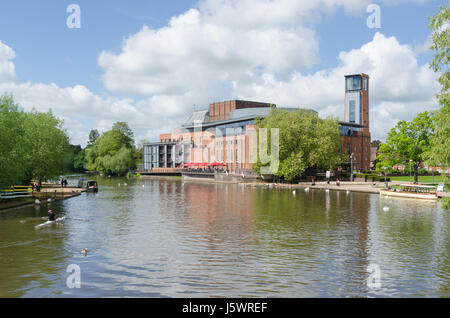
point(49, 200)
point(37, 201)
point(84, 251)
point(293, 192)
point(306, 189)
point(327, 190)
point(386, 208)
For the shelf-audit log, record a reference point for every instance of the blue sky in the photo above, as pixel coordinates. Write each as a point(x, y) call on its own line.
point(46, 52)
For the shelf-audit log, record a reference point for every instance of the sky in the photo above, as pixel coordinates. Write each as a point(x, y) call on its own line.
point(151, 63)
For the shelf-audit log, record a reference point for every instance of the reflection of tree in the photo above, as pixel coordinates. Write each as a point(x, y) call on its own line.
point(29, 258)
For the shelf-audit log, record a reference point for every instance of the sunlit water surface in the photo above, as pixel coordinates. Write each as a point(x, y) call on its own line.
point(171, 239)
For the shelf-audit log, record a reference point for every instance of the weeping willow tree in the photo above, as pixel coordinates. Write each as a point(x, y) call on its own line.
point(305, 141)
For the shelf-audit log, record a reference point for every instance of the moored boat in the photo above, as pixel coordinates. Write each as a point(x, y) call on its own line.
point(414, 191)
point(92, 186)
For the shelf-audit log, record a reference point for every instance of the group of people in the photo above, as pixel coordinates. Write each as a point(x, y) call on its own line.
point(63, 183)
point(37, 186)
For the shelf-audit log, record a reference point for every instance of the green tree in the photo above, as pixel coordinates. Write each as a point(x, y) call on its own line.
point(12, 150)
point(119, 163)
point(79, 161)
point(33, 145)
point(439, 153)
point(125, 129)
point(47, 146)
point(407, 141)
point(102, 157)
point(305, 141)
point(93, 135)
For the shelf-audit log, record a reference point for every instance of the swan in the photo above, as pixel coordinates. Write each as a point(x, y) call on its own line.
point(385, 209)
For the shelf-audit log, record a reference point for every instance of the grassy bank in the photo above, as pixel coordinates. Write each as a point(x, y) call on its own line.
point(422, 179)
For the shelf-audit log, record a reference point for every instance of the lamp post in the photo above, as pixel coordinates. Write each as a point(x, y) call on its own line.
point(351, 167)
point(410, 170)
point(385, 183)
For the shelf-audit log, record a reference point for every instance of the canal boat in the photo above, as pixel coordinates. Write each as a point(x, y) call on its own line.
point(413, 191)
point(92, 186)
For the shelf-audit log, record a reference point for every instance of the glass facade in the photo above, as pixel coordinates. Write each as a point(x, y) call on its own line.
point(353, 83)
point(348, 130)
point(352, 111)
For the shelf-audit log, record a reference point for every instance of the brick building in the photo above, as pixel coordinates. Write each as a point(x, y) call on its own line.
point(225, 133)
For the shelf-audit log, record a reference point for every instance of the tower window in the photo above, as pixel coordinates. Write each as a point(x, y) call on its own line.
point(365, 84)
point(352, 111)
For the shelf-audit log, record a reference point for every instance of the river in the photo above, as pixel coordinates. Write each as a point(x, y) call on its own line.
point(153, 238)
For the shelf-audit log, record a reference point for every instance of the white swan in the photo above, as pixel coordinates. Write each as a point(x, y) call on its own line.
point(386, 208)
point(37, 201)
point(306, 189)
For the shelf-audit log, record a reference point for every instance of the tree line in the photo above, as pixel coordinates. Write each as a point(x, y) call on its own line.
point(35, 146)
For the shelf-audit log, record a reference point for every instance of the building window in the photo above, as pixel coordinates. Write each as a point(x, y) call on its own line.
point(352, 111)
point(353, 83)
point(365, 84)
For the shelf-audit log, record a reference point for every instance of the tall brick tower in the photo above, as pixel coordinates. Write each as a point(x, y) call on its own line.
point(356, 114)
point(357, 100)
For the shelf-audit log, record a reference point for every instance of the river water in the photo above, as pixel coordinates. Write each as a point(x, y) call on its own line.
point(155, 238)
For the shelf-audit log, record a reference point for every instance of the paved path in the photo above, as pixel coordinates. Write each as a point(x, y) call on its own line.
point(366, 187)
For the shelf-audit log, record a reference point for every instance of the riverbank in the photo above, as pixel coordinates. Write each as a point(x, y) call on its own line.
point(364, 187)
point(50, 191)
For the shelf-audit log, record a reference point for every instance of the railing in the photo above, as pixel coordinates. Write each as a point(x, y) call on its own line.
point(15, 191)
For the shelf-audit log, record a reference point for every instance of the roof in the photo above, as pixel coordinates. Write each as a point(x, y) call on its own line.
point(198, 116)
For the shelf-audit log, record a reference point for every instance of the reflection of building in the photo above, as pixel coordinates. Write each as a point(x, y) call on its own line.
point(225, 133)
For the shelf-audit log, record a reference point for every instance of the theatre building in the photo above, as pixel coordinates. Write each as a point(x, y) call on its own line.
point(225, 133)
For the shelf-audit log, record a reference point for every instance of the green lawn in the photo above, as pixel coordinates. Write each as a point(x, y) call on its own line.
point(422, 179)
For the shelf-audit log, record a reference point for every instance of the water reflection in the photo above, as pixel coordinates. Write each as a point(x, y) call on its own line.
point(172, 239)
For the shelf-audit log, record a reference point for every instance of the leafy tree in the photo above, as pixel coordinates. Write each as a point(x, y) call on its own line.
point(407, 141)
point(93, 135)
point(102, 157)
point(305, 141)
point(125, 129)
point(439, 153)
point(376, 143)
point(47, 146)
point(12, 152)
point(79, 161)
point(33, 145)
point(119, 163)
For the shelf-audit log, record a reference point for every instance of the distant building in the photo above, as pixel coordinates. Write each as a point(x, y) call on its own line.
point(224, 133)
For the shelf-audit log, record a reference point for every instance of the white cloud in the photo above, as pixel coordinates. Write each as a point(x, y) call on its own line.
point(399, 87)
point(247, 49)
point(7, 69)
